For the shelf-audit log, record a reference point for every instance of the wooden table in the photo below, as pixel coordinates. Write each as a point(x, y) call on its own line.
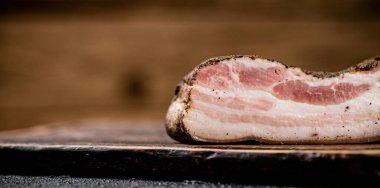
point(122, 149)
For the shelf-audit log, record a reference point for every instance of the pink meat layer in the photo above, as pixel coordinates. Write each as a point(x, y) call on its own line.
point(274, 81)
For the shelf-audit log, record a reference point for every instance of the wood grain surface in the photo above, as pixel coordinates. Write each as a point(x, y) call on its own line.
point(142, 149)
point(70, 59)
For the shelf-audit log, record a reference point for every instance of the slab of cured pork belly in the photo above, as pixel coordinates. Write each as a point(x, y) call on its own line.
point(240, 98)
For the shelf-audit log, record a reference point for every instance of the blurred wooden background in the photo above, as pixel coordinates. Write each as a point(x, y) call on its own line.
point(71, 59)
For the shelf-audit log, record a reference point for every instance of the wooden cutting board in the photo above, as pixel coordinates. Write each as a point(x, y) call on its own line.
point(99, 148)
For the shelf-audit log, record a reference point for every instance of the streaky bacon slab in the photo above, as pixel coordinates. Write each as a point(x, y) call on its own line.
point(241, 98)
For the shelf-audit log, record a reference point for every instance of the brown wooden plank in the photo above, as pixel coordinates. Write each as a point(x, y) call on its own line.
point(62, 60)
point(147, 135)
point(127, 149)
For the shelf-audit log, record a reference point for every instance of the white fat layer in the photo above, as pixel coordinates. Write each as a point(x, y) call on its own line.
point(175, 109)
point(204, 127)
point(258, 63)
